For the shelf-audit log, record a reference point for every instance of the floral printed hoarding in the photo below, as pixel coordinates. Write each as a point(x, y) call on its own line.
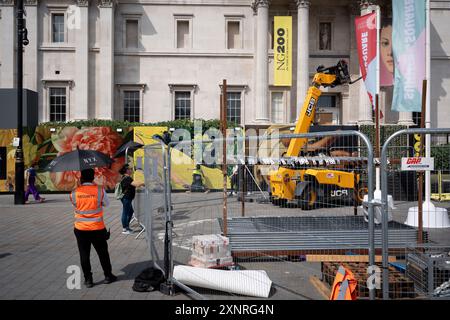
point(41, 146)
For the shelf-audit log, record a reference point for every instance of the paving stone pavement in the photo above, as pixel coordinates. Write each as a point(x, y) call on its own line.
point(37, 245)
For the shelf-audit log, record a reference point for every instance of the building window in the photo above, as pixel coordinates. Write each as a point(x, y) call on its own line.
point(57, 104)
point(234, 35)
point(182, 105)
point(327, 101)
point(131, 33)
point(277, 107)
point(325, 36)
point(58, 27)
point(183, 34)
point(234, 107)
point(328, 109)
point(131, 106)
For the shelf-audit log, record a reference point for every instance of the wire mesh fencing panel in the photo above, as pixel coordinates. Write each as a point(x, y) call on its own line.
point(428, 267)
point(279, 220)
point(151, 202)
point(414, 195)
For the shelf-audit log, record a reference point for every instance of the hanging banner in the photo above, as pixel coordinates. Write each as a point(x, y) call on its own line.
point(386, 57)
point(408, 37)
point(366, 40)
point(282, 52)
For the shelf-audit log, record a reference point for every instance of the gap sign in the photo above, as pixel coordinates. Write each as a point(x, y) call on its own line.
point(417, 164)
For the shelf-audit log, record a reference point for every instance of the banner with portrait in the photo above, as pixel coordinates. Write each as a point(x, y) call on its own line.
point(386, 56)
point(408, 35)
point(366, 40)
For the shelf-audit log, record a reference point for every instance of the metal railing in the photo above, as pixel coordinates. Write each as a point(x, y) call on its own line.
point(384, 199)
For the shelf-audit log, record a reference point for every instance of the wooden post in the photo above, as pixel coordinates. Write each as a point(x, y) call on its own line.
point(223, 123)
point(422, 140)
point(355, 194)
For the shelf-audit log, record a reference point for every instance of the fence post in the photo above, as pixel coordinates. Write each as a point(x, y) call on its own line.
point(223, 123)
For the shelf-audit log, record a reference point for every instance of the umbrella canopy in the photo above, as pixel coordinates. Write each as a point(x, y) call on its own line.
point(131, 145)
point(78, 160)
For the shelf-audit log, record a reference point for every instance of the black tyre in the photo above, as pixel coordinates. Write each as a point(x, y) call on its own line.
point(283, 203)
point(308, 199)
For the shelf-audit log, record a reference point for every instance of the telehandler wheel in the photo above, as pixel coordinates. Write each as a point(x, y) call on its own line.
point(283, 203)
point(308, 199)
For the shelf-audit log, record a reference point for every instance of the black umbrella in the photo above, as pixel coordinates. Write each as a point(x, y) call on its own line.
point(78, 160)
point(131, 146)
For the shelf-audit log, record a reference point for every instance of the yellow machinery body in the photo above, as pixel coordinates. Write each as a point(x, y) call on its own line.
point(284, 182)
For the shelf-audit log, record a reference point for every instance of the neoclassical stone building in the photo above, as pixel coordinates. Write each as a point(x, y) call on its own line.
point(154, 60)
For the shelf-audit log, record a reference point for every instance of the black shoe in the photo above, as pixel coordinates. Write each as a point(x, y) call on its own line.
point(109, 279)
point(89, 283)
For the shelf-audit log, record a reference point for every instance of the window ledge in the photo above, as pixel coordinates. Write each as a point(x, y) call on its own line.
point(56, 47)
point(180, 86)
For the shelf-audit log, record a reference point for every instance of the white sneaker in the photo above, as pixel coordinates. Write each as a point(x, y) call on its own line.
point(125, 231)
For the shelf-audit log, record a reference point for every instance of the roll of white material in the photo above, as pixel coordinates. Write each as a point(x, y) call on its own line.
point(254, 283)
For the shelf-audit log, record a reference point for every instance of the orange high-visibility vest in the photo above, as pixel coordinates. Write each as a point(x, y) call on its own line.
point(87, 201)
point(344, 285)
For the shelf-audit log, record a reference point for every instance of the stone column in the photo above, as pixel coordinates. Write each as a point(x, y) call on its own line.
point(106, 61)
point(262, 61)
point(30, 55)
point(7, 44)
point(303, 82)
point(81, 35)
point(405, 119)
point(365, 107)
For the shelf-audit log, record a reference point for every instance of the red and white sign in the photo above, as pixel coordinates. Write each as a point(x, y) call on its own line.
point(366, 40)
point(417, 164)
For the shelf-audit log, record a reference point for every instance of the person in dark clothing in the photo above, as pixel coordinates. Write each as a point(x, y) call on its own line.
point(30, 179)
point(129, 192)
point(89, 200)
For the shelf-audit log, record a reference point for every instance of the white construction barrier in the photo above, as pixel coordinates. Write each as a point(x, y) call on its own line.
point(254, 283)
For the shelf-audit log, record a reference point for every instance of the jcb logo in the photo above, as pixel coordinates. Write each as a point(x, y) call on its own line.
point(310, 108)
point(339, 193)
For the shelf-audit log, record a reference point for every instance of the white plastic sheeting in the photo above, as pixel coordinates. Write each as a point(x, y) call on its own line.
point(254, 283)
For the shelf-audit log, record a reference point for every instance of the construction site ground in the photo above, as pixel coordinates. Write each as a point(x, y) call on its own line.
point(37, 245)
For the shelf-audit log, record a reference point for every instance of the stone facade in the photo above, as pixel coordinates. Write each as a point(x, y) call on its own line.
point(96, 64)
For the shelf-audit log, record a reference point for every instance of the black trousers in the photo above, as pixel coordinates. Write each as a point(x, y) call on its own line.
point(98, 239)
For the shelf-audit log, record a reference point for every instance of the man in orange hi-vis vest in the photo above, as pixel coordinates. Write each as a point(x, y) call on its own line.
point(89, 200)
point(344, 285)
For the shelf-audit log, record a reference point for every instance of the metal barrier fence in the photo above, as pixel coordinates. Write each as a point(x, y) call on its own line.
point(151, 203)
point(287, 245)
point(286, 218)
point(423, 267)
